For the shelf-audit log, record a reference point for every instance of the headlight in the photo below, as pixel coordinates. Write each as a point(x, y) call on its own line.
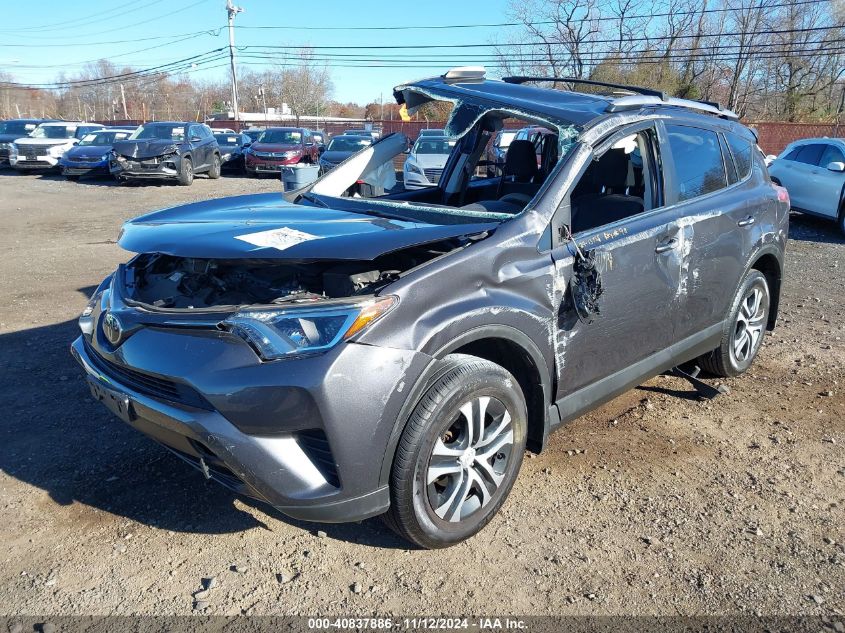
point(291, 154)
point(57, 150)
point(290, 332)
point(86, 323)
point(105, 156)
point(225, 157)
point(5, 146)
point(414, 168)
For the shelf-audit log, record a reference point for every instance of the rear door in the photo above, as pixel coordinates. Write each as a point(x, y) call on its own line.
point(828, 184)
point(711, 195)
point(799, 181)
point(199, 147)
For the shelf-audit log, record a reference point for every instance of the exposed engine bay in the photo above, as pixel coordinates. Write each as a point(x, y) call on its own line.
point(166, 281)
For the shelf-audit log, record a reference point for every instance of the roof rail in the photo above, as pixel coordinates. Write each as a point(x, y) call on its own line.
point(590, 82)
point(636, 101)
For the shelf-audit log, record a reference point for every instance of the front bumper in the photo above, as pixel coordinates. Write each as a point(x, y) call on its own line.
point(305, 435)
point(33, 160)
point(257, 165)
point(156, 168)
point(72, 168)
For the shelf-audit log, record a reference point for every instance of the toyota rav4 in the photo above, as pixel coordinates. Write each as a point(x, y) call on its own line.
point(341, 357)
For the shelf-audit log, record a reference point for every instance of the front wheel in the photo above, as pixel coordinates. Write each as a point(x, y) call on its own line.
point(459, 454)
point(186, 172)
point(841, 221)
point(72, 178)
point(744, 329)
point(214, 170)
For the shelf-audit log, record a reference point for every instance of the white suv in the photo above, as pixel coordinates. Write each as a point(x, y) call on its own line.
point(813, 171)
point(43, 148)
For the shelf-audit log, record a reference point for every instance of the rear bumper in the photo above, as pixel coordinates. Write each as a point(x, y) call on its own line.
point(274, 463)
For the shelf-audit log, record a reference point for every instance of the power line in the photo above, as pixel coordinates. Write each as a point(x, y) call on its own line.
point(89, 18)
point(539, 23)
point(539, 55)
point(583, 43)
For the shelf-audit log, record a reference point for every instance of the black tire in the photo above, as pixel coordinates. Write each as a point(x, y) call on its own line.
point(731, 359)
point(841, 221)
point(214, 170)
point(437, 423)
point(186, 172)
point(73, 178)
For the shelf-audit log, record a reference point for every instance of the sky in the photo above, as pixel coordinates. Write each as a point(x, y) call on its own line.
point(39, 40)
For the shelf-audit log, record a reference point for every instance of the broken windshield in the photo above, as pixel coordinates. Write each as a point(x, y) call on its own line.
point(475, 178)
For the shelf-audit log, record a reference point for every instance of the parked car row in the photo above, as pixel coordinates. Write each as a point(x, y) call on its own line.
point(813, 171)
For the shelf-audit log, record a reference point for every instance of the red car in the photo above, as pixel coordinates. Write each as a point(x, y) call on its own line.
point(279, 146)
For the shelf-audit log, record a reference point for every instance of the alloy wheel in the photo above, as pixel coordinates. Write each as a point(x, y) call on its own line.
point(750, 323)
point(470, 459)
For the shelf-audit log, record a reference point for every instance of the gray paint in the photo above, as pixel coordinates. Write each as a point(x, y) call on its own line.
point(510, 285)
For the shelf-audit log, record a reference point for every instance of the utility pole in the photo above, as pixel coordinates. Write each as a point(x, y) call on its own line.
point(123, 98)
point(232, 11)
point(263, 101)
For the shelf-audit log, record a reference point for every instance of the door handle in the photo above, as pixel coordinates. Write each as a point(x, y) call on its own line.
point(746, 222)
point(668, 245)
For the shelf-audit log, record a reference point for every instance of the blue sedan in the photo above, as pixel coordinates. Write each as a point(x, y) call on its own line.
point(90, 157)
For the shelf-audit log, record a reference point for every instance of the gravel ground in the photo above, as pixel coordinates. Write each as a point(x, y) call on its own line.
point(656, 503)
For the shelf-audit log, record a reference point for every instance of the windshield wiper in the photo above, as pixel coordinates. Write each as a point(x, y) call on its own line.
point(313, 198)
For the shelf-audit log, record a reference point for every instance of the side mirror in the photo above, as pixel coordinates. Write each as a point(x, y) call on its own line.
point(837, 166)
point(407, 150)
point(196, 139)
point(245, 145)
point(770, 158)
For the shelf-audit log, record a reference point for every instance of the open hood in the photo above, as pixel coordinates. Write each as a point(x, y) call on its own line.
point(146, 148)
point(265, 226)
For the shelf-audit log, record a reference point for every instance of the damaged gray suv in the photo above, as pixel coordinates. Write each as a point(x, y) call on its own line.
point(342, 357)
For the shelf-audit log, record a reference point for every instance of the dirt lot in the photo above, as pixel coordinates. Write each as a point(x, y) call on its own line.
point(655, 504)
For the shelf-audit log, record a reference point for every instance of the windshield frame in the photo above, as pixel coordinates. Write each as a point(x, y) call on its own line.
point(263, 137)
point(42, 132)
point(360, 141)
point(450, 143)
point(138, 134)
point(21, 124)
point(227, 135)
point(98, 133)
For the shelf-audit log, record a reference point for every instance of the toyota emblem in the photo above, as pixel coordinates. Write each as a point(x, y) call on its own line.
point(112, 328)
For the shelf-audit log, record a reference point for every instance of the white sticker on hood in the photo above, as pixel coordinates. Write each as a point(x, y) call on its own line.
point(279, 239)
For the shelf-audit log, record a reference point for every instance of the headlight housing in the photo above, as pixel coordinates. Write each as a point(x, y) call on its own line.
point(5, 145)
point(86, 322)
point(57, 151)
point(291, 153)
point(297, 331)
point(414, 168)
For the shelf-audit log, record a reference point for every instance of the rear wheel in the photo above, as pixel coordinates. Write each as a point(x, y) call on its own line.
point(214, 170)
point(459, 454)
point(186, 172)
point(744, 329)
point(841, 221)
